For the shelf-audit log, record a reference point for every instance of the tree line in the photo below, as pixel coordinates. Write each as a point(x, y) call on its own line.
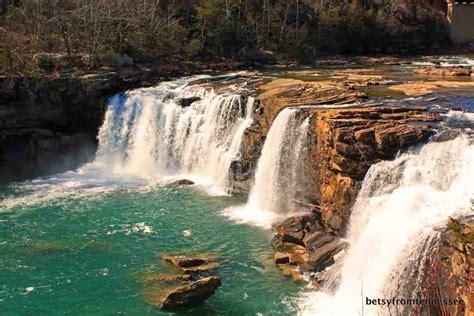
point(152, 30)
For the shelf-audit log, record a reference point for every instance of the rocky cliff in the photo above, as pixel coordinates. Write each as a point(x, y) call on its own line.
point(49, 123)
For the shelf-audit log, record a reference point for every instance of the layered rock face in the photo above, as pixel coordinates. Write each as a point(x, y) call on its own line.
point(49, 124)
point(273, 97)
point(344, 142)
point(347, 142)
point(455, 262)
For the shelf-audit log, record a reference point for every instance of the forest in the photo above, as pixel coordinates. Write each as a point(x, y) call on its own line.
point(95, 33)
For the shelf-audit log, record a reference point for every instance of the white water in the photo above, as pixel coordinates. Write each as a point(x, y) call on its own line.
point(278, 175)
point(399, 206)
point(148, 134)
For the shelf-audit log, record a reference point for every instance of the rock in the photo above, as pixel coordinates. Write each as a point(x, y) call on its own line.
point(419, 88)
point(183, 295)
point(292, 271)
point(319, 258)
point(443, 71)
point(192, 264)
point(182, 182)
point(317, 239)
point(100, 82)
point(153, 278)
point(185, 102)
point(281, 258)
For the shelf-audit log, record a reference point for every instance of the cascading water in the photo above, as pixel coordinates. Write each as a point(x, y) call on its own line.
point(147, 132)
point(394, 222)
point(279, 170)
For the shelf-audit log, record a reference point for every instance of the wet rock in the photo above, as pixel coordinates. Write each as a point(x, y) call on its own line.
point(182, 182)
point(185, 102)
point(443, 71)
point(281, 258)
point(292, 271)
point(319, 258)
point(161, 279)
point(182, 295)
point(192, 264)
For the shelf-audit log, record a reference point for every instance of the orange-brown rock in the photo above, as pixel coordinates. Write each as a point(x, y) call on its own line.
point(418, 88)
point(192, 264)
point(281, 93)
point(274, 96)
point(443, 71)
point(347, 142)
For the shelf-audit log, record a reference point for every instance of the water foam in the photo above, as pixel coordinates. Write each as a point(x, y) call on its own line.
point(147, 133)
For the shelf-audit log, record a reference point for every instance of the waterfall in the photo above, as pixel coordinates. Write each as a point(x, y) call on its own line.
point(151, 132)
point(393, 225)
point(279, 171)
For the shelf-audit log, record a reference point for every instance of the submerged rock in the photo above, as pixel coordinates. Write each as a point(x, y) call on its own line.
point(182, 182)
point(184, 294)
point(193, 264)
point(153, 278)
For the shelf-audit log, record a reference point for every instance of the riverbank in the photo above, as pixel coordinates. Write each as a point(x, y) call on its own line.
point(311, 150)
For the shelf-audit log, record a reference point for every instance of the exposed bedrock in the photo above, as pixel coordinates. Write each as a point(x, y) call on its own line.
point(49, 123)
point(344, 141)
point(444, 271)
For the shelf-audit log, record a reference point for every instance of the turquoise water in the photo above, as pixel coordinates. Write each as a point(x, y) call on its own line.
point(83, 246)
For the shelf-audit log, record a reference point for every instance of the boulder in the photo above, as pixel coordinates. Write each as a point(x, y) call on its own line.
point(182, 295)
point(322, 257)
point(182, 182)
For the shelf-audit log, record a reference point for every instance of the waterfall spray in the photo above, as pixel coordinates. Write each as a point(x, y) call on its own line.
point(149, 133)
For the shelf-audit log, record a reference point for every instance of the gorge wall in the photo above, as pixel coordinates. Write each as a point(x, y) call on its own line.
point(49, 124)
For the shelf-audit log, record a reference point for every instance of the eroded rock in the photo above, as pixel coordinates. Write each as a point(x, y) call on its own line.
point(182, 182)
point(193, 264)
point(310, 248)
point(443, 71)
point(187, 293)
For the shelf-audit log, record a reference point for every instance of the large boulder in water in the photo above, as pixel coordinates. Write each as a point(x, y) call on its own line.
point(181, 183)
point(187, 293)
